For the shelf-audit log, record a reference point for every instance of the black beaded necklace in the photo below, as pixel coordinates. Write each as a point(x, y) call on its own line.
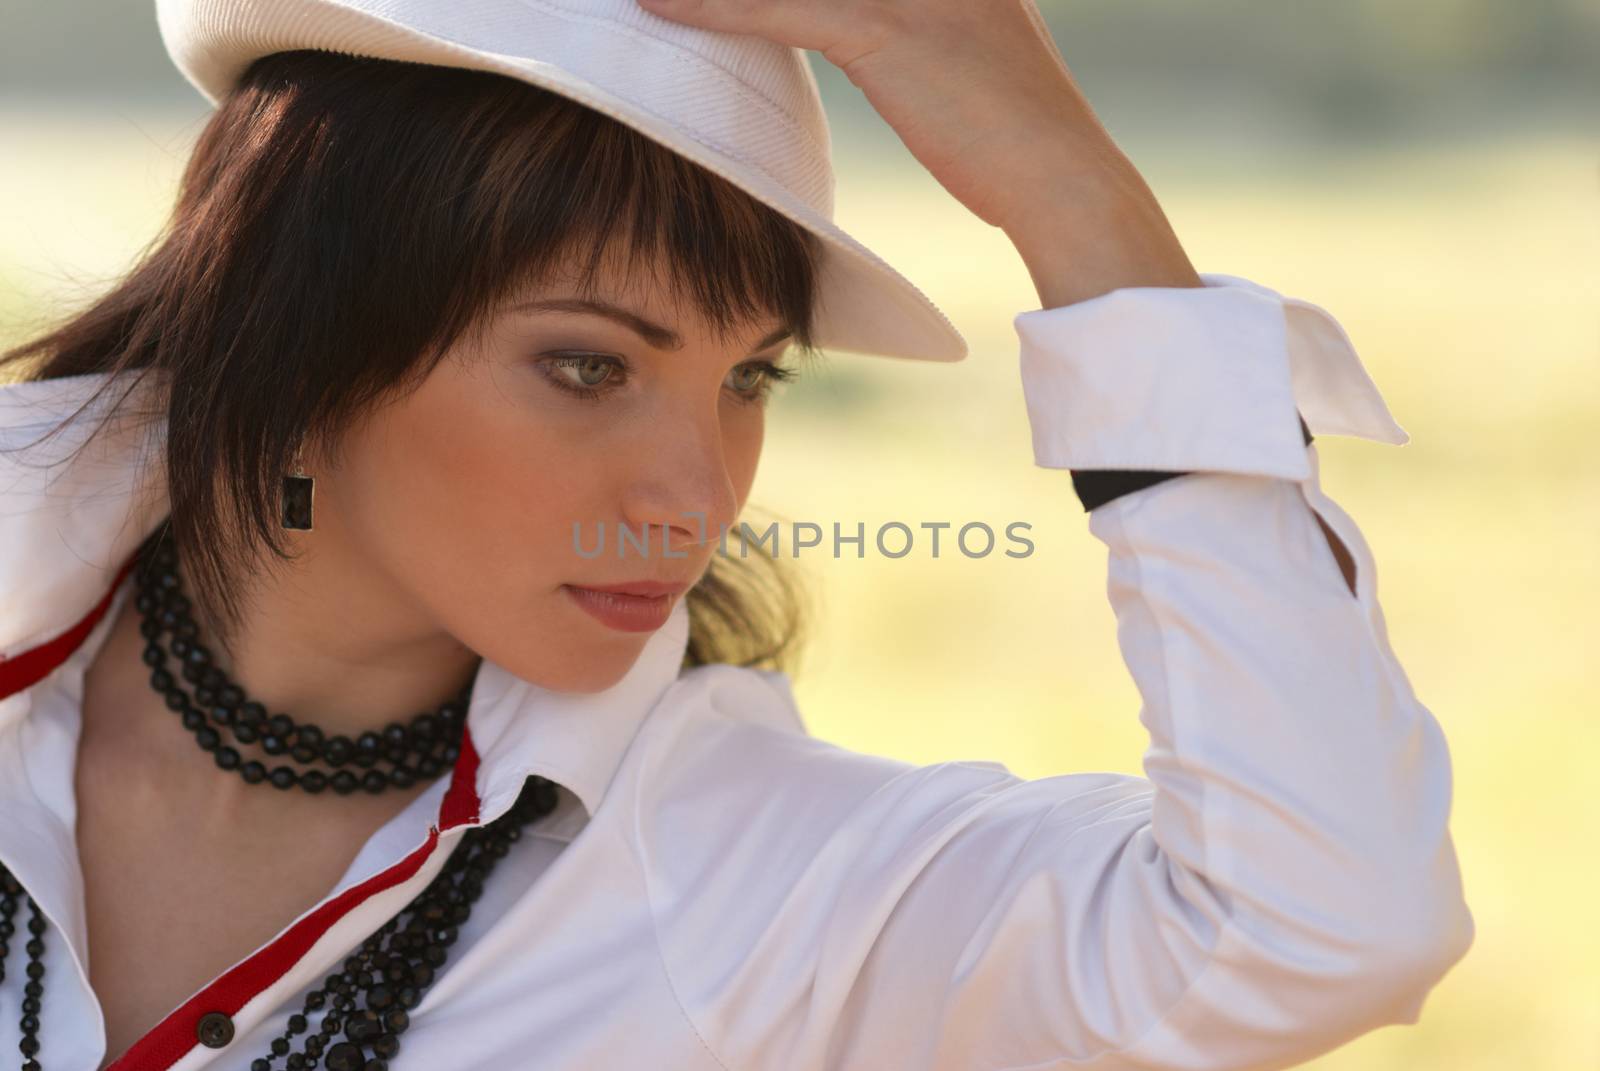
point(423, 749)
point(365, 1004)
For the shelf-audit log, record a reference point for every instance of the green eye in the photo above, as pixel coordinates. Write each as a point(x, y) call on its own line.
point(766, 376)
point(588, 367)
point(592, 371)
point(592, 375)
point(753, 377)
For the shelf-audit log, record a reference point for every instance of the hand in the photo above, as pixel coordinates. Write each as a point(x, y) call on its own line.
point(969, 85)
point(982, 97)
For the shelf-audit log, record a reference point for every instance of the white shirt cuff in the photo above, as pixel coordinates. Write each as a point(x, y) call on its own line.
point(1193, 379)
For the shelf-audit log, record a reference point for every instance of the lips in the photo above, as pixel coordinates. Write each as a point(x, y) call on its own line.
point(647, 589)
point(627, 611)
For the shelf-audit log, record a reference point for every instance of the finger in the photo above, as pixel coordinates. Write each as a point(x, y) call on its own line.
point(1043, 30)
point(811, 25)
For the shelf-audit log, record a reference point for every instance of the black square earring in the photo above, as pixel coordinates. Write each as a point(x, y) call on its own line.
point(297, 493)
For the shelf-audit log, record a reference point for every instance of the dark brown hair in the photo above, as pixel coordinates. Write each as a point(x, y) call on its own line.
point(341, 222)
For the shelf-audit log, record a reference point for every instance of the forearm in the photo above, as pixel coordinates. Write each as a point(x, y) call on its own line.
point(1085, 223)
point(1087, 229)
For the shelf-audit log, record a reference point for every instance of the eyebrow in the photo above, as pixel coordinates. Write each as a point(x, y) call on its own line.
point(663, 338)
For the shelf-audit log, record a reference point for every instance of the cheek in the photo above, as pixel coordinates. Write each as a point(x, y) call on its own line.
point(467, 498)
point(490, 489)
point(742, 442)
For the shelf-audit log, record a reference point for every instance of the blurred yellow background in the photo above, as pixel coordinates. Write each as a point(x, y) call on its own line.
point(1451, 223)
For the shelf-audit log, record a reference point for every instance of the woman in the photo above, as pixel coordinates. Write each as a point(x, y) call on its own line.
point(453, 804)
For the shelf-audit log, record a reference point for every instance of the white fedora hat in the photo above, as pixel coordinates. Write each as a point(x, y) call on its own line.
point(739, 105)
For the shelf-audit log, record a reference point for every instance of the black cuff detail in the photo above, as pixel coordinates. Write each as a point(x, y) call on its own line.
point(1096, 487)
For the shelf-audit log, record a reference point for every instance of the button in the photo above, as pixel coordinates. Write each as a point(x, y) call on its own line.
point(215, 1030)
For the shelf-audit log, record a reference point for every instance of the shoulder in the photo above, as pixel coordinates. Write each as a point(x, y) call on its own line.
point(729, 788)
point(772, 860)
point(725, 761)
point(726, 734)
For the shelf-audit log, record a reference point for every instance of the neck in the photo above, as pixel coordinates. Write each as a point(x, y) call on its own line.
point(329, 641)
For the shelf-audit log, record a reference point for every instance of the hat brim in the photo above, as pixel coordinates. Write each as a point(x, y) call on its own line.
point(863, 306)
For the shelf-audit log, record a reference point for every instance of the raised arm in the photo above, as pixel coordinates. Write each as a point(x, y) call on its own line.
point(1282, 879)
point(1296, 870)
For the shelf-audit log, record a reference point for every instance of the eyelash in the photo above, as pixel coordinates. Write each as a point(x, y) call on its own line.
point(772, 375)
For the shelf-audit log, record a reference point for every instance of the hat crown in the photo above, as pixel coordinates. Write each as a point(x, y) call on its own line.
point(744, 97)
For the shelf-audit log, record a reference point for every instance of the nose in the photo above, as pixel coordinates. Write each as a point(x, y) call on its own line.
point(682, 495)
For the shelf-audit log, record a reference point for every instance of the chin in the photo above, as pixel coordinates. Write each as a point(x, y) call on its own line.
point(587, 672)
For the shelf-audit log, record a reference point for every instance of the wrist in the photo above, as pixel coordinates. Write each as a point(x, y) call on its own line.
point(1086, 230)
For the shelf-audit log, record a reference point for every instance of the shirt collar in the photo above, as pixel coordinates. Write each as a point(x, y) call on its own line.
point(70, 525)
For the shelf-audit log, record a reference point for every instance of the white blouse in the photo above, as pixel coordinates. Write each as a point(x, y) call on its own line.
point(719, 891)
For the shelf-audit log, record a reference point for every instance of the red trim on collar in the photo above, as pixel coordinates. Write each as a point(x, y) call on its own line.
point(460, 803)
point(35, 664)
point(172, 1038)
point(175, 1036)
